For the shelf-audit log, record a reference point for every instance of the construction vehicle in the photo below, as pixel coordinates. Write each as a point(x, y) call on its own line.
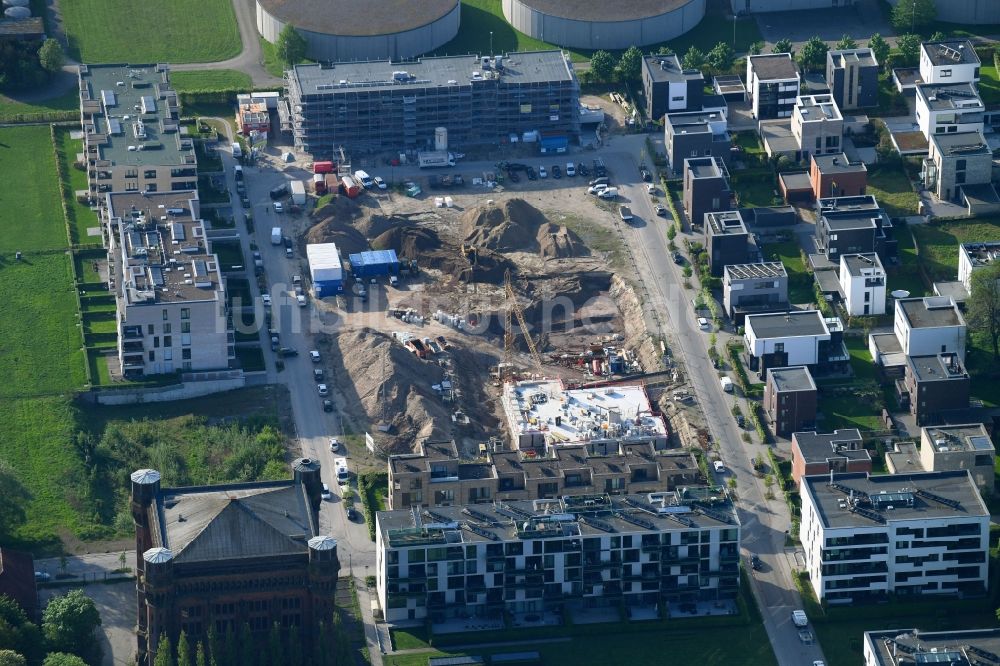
point(514, 308)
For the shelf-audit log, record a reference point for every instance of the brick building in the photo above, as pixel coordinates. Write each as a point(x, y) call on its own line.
point(837, 176)
point(790, 399)
point(839, 451)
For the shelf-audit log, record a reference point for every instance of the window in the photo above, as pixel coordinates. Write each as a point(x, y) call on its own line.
point(959, 177)
point(185, 313)
point(150, 329)
point(131, 173)
point(149, 173)
point(832, 141)
point(168, 354)
point(167, 340)
point(152, 355)
point(150, 187)
point(945, 73)
point(187, 365)
point(975, 73)
point(185, 327)
point(166, 328)
point(677, 99)
point(960, 165)
point(156, 342)
point(165, 314)
point(186, 354)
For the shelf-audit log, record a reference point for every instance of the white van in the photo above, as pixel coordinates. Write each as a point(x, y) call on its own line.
point(343, 475)
point(727, 384)
point(363, 178)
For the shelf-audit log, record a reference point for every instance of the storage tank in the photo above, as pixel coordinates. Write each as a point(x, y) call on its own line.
point(440, 138)
point(17, 13)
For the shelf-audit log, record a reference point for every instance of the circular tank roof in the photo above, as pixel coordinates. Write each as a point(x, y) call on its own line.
point(322, 543)
point(16, 3)
point(158, 555)
point(591, 10)
point(17, 12)
point(351, 19)
point(145, 476)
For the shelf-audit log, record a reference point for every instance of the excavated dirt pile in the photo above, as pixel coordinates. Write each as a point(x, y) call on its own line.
point(556, 241)
point(517, 226)
point(408, 241)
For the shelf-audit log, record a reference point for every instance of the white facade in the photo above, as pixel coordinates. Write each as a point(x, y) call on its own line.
point(942, 70)
point(801, 349)
point(973, 256)
point(959, 114)
point(931, 551)
point(782, 91)
point(677, 95)
point(862, 280)
point(930, 337)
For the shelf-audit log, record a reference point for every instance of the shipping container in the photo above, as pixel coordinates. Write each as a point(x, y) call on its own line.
point(350, 186)
point(376, 263)
point(298, 190)
point(319, 184)
point(325, 269)
point(323, 167)
point(332, 183)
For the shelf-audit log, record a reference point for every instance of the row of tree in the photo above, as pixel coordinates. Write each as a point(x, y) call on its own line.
point(66, 637)
point(29, 63)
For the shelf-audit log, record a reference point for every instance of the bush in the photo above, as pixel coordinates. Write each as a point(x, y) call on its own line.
point(368, 483)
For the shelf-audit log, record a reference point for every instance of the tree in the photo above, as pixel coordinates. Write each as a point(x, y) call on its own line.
point(846, 42)
point(756, 48)
point(664, 50)
point(602, 65)
point(183, 650)
point(938, 37)
point(68, 623)
point(164, 652)
point(909, 49)
point(294, 656)
point(11, 658)
point(199, 655)
point(630, 65)
point(291, 46)
point(913, 14)
point(783, 46)
point(15, 497)
point(51, 56)
point(813, 55)
point(274, 646)
point(721, 57)
point(694, 58)
point(880, 48)
point(983, 315)
point(247, 649)
point(63, 659)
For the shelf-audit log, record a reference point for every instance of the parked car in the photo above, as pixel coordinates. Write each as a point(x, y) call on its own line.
point(287, 240)
point(334, 444)
point(582, 170)
point(326, 494)
point(380, 183)
point(314, 355)
point(651, 189)
point(756, 564)
point(301, 299)
point(678, 258)
point(556, 172)
point(603, 180)
point(266, 298)
point(531, 173)
point(352, 513)
point(703, 324)
point(327, 405)
point(660, 210)
point(318, 374)
point(288, 351)
point(542, 173)
point(278, 207)
point(323, 389)
point(42, 577)
point(718, 467)
point(646, 176)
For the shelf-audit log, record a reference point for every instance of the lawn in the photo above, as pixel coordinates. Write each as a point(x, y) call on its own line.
point(83, 218)
point(800, 281)
point(217, 79)
point(42, 349)
point(272, 64)
point(849, 412)
point(989, 85)
point(105, 31)
point(939, 243)
point(31, 216)
point(861, 358)
point(891, 187)
point(251, 359)
point(755, 190)
point(11, 109)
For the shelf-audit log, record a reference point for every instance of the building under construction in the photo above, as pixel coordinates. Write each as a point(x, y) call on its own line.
point(379, 105)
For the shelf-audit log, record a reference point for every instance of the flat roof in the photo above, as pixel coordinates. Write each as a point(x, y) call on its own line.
point(830, 164)
point(765, 270)
point(910, 141)
point(961, 144)
point(828, 280)
point(787, 324)
point(688, 508)
point(891, 647)
point(613, 412)
point(916, 496)
point(596, 459)
point(341, 17)
point(950, 52)
point(726, 223)
point(31, 25)
point(777, 135)
point(952, 289)
point(862, 264)
point(729, 84)
point(703, 167)
point(936, 368)
point(685, 118)
point(135, 115)
point(792, 378)
point(162, 248)
point(981, 254)
point(930, 311)
point(844, 57)
point(980, 194)
point(796, 181)
point(774, 66)
point(861, 202)
point(959, 437)
point(663, 67)
point(815, 108)
point(846, 222)
point(520, 68)
point(945, 96)
point(822, 446)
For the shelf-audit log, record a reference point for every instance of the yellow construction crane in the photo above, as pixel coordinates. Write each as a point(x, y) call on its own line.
point(508, 335)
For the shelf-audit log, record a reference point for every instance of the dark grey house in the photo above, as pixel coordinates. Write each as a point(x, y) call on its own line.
point(689, 134)
point(754, 288)
point(706, 188)
point(932, 385)
point(669, 87)
point(727, 240)
point(852, 75)
point(790, 399)
point(853, 225)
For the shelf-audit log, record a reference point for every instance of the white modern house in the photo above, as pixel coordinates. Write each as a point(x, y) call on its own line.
point(867, 536)
point(950, 61)
point(972, 257)
point(948, 108)
point(801, 337)
point(862, 279)
point(773, 84)
point(929, 325)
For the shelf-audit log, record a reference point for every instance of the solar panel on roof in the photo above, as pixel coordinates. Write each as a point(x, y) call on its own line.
point(980, 443)
point(939, 657)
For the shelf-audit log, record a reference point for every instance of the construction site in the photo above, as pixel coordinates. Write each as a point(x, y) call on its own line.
point(493, 289)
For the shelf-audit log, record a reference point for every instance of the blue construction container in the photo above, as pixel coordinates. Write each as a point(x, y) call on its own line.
point(553, 144)
point(374, 263)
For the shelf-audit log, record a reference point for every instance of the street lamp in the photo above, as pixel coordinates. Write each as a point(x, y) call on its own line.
point(913, 14)
point(734, 31)
point(491, 42)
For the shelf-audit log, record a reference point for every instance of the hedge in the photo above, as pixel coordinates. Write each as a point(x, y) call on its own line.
point(368, 482)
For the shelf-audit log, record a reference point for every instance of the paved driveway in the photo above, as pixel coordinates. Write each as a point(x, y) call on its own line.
point(829, 24)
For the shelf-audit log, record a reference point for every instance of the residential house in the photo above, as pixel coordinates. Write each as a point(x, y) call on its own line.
point(840, 451)
point(817, 126)
point(974, 256)
point(929, 325)
point(852, 75)
point(852, 225)
point(790, 399)
point(690, 134)
point(706, 188)
point(949, 61)
point(948, 108)
point(727, 240)
point(867, 537)
point(802, 337)
point(862, 281)
point(933, 384)
point(836, 176)
point(948, 447)
point(668, 87)
point(957, 163)
point(754, 288)
point(772, 85)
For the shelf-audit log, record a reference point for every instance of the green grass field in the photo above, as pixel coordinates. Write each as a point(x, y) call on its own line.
point(849, 412)
point(989, 85)
point(101, 31)
point(83, 218)
point(10, 108)
point(891, 187)
point(31, 216)
point(939, 243)
point(800, 281)
point(218, 79)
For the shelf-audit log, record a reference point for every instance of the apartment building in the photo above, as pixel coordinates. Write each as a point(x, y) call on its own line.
point(835, 175)
point(167, 284)
point(899, 647)
point(974, 256)
point(949, 61)
point(133, 141)
point(801, 337)
point(437, 476)
point(727, 241)
point(551, 555)
point(691, 134)
point(817, 126)
point(852, 75)
point(669, 87)
point(956, 162)
point(957, 447)
point(948, 108)
point(866, 537)
point(852, 225)
point(706, 188)
point(754, 288)
point(819, 453)
point(790, 399)
point(929, 325)
point(772, 85)
point(934, 384)
point(862, 279)
point(370, 106)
